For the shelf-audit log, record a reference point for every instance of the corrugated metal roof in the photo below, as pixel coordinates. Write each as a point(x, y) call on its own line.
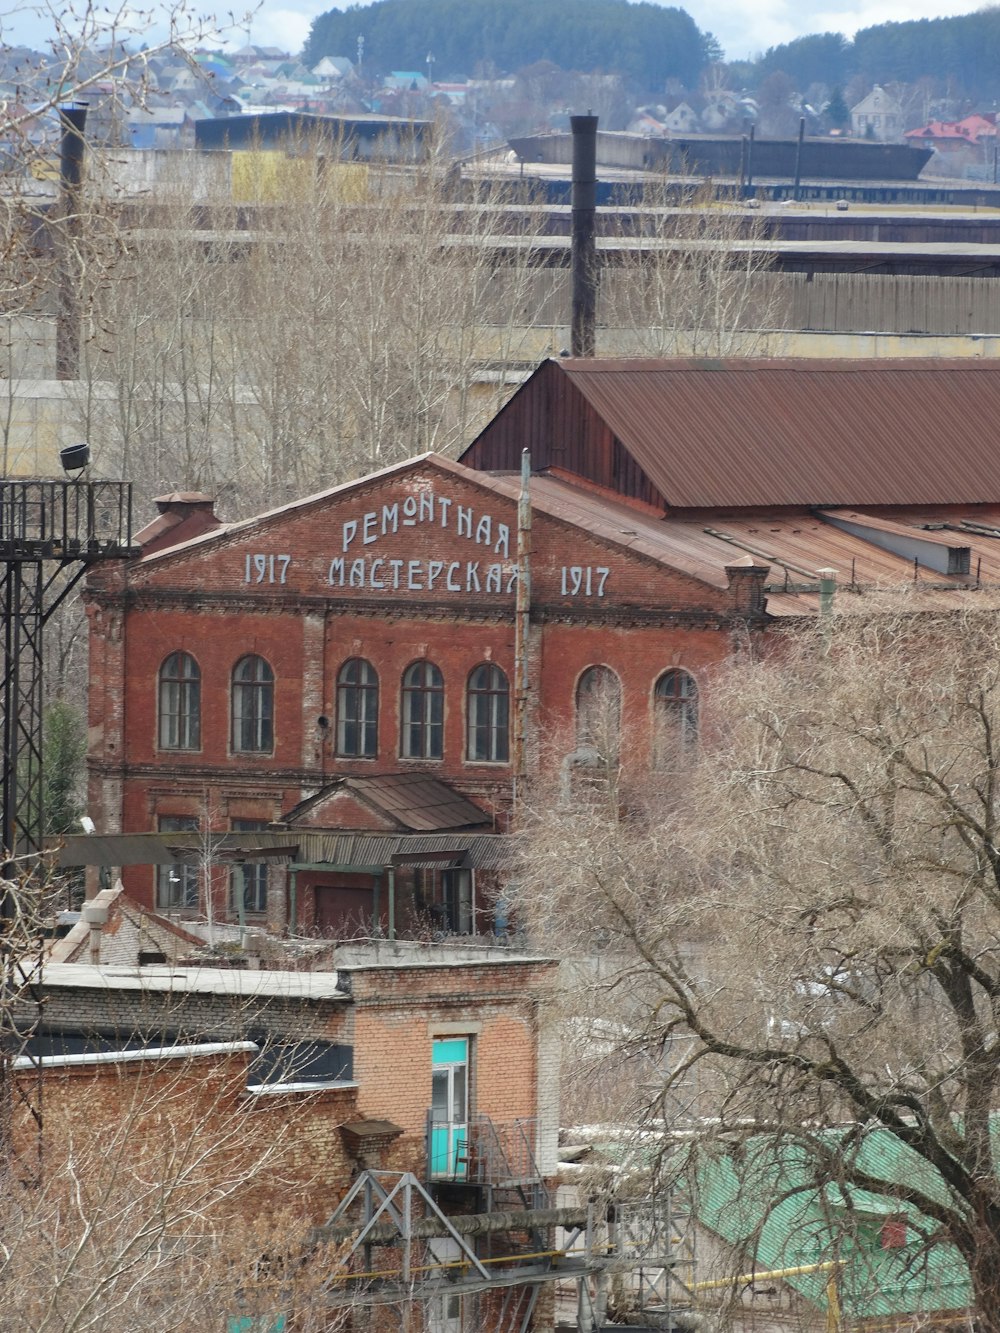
point(485, 851)
point(304, 847)
point(795, 545)
point(152, 849)
point(418, 801)
point(766, 433)
point(765, 1199)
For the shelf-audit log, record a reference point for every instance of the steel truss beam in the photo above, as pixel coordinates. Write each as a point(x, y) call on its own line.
point(397, 1212)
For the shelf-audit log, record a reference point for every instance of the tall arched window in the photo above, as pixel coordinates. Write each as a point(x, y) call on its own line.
point(675, 717)
point(598, 710)
point(253, 706)
point(180, 703)
point(422, 714)
point(357, 710)
point(488, 715)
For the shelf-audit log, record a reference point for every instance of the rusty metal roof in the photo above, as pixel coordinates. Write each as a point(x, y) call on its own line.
point(304, 847)
point(152, 849)
point(796, 544)
point(485, 851)
point(822, 433)
point(417, 802)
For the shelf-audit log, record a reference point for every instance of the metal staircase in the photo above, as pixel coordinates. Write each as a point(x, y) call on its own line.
point(501, 1158)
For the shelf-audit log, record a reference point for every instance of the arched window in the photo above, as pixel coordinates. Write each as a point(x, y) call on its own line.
point(675, 717)
point(253, 706)
point(488, 716)
point(422, 715)
point(598, 710)
point(357, 710)
point(180, 703)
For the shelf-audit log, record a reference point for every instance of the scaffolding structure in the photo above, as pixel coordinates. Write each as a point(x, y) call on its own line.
point(401, 1251)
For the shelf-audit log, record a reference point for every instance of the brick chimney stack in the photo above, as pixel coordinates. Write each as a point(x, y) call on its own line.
point(183, 515)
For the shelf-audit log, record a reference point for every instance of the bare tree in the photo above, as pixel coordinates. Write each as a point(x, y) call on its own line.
point(344, 329)
point(696, 282)
point(164, 1201)
point(812, 910)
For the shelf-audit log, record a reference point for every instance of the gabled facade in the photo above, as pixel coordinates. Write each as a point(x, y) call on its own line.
point(336, 678)
point(302, 669)
point(877, 116)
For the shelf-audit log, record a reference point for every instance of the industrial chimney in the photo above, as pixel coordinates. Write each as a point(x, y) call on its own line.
point(73, 121)
point(584, 244)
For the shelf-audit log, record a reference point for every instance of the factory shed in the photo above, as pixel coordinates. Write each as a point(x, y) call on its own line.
point(308, 717)
point(682, 435)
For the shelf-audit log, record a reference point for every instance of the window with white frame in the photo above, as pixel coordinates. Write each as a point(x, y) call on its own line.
point(357, 710)
point(422, 712)
point(675, 717)
point(598, 710)
point(488, 715)
point(248, 883)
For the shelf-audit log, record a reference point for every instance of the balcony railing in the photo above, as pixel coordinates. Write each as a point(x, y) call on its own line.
point(499, 1157)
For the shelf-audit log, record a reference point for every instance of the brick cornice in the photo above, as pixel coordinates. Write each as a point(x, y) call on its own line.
point(620, 615)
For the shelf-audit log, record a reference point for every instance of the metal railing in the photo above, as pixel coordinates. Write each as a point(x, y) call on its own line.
point(498, 1156)
point(65, 519)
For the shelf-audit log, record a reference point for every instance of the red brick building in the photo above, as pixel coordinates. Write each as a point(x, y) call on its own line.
point(285, 1086)
point(335, 679)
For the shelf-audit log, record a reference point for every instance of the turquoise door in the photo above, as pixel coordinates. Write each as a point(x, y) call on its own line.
point(449, 1099)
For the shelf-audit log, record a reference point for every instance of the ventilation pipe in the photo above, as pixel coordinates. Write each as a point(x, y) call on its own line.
point(797, 189)
point(584, 244)
point(827, 590)
point(522, 628)
point(95, 915)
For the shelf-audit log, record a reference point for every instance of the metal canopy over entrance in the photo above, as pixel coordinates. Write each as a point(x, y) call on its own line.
point(376, 855)
point(365, 853)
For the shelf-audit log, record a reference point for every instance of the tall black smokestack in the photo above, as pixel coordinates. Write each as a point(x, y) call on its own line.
point(584, 244)
point(73, 120)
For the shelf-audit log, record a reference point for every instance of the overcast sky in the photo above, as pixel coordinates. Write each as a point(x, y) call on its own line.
point(743, 28)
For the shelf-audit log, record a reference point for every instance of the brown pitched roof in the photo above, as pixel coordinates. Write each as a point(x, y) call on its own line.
point(744, 433)
point(414, 801)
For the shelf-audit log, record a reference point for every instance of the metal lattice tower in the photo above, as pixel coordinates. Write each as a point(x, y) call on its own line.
point(51, 532)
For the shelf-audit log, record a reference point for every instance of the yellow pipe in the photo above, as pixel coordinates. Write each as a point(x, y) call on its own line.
point(717, 1283)
point(832, 1306)
point(713, 1285)
point(453, 1263)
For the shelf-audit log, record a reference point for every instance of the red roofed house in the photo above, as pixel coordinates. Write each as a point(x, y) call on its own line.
point(959, 144)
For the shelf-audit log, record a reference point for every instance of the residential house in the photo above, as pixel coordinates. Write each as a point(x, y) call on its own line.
point(877, 116)
point(964, 147)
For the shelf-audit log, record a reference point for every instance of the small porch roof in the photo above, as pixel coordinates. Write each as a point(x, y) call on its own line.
point(372, 852)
